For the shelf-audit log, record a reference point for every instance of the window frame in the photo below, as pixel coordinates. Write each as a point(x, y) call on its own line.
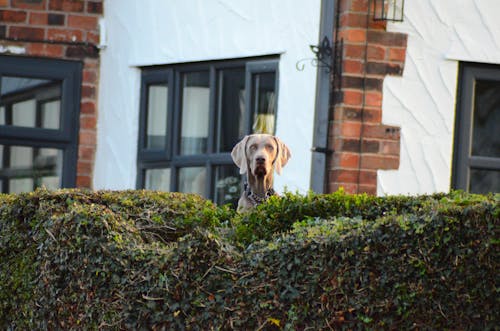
point(463, 161)
point(170, 157)
point(66, 137)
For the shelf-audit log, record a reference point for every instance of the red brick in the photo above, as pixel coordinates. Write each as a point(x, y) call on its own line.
point(373, 99)
point(36, 49)
point(84, 167)
point(361, 82)
point(379, 162)
point(354, 51)
point(88, 122)
point(381, 131)
point(82, 22)
point(54, 50)
point(376, 52)
point(353, 20)
point(93, 37)
point(90, 75)
point(352, 145)
point(38, 18)
point(370, 115)
point(63, 34)
point(377, 25)
point(397, 54)
point(344, 176)
point(385, 38)
point(4, 3)
point(56, 19)
point(359, 5)
point(349, 145)
point(88, 107)
point(353, 35)
point(354, 98)
point(368, 177)
point(350, 129)
point(82, 51)
point(370, 146)
point(91, 64)
point(390, 147)
point(88, 91)
point(346, 160)
point(83, 181)
point(353, 67)
point(28, 4)
point(382, 68)
point(21, 32)
point(66, 5)
point(15, 16)
point(94, 7)
point(86, 153)
point(87, 138)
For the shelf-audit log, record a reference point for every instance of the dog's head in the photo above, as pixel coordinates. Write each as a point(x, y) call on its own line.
point(259, 154)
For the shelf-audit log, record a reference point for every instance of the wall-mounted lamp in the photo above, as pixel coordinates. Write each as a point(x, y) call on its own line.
point(388, 10)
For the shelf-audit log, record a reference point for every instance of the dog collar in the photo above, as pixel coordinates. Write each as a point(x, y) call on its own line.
point(254, 198)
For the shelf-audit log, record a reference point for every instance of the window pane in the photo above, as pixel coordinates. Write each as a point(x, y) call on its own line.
point(195, 113)
point(20, 185)
point(26, 168)
point(21, 156)
point(50, 114)
point(264, 102)
point(192, 180)
point(156, 116)
point(227, 185)
point(24, 113)
point(20, 97)
point(484, 181)
point(2, 115)
point(158, 179)
point(230, 108)
point(486, 139)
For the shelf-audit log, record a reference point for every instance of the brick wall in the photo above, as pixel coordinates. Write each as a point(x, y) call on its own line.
point(362, 143)
point(62, 29)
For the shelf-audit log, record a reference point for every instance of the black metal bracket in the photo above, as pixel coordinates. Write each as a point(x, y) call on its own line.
point(324, 150)
point(327, 56)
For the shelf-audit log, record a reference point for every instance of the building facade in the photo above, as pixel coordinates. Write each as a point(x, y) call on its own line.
point(153, 94)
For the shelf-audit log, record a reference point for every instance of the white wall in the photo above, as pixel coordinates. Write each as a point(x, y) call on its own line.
point(422, 102)
point(150, 32)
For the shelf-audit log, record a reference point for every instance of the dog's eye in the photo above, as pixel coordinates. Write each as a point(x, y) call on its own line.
point(253, 147)
point(270, 147)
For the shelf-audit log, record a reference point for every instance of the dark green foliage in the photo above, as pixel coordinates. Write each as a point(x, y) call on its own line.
point(74, 259)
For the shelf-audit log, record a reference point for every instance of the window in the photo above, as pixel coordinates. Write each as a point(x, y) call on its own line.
point(191, 117)
point(476, 163)
point(39, 109)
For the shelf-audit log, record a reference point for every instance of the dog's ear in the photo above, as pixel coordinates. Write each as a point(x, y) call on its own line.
point(239, 156)
point(283, 156)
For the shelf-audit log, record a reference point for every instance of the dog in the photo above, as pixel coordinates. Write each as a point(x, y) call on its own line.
point(258, 156)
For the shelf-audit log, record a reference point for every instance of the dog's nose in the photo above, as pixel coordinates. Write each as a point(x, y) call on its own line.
point(260, 159)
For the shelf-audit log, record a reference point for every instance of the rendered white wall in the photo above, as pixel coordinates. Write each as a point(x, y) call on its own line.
point(422, 102)
point(150, 32)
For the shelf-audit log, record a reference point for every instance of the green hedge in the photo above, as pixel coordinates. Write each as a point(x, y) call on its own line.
point(75, 259)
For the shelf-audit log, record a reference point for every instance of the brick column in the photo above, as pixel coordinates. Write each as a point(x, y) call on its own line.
point(61, 29)
point(362, 143)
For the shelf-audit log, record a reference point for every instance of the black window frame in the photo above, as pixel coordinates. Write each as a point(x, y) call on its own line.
point(170, 157)
point(65, 138)
point(463, 161)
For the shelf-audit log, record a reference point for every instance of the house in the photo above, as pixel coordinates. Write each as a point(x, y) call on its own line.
point(123, 94)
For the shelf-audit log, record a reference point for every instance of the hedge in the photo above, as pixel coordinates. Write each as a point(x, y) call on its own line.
point(74, 259)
